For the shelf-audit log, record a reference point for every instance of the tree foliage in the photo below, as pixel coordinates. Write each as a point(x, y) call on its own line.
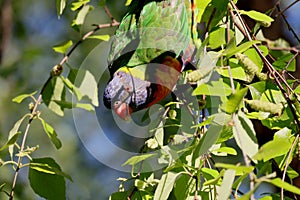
point(238, 77)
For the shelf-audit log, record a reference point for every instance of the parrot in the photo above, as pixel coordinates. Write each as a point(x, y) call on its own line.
point(151, 46)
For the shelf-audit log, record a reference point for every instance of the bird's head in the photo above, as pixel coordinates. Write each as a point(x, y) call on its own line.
point(126, 93)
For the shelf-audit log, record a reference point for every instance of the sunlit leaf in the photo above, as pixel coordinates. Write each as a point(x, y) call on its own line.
point(165, 185)
point(244, 133)
point(63, 47)
point(51, 134)
point(46, 179)
point(100, 37)
point(217, 38)
point(233, 102)
point(82, 14)
point(11, 141)
point(76, 5)
point(14, 131)
point(239, 170)
point(212, 134)
point(257, 16)
point(226, 150)
point(20, 98)
point(136, 159)
point(72, 88)
point(87, 85)
point(54, 90)
point(60, 7)
point(231, 50)
point(281, 184)
point(226, 186)
point(280, 145)
point(215, 88)
point(209, 173)
point(128, 2)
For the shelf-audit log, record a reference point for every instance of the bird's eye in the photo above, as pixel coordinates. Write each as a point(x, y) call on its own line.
point(117, 103)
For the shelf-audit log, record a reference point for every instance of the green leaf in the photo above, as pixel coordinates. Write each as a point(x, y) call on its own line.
point(136, 159)
point(165, 186)
point(184, 186)
point(76, 5)
point(81, 15)
point(15, 131)
point(72, 88)
point(231, 50)
point(209, 174)
point(217, 88)
point(280, 145)
point(128, 2)
point(63, 47)
point(226, 150)
point(239, 170)
point(60, 7)
point(257, 16)
point(217, 37)
point(51, 134)
point(281, 184)
point(211, 135)
point(100, 37)
point(20, 98)
point(244, 133)
point(46, 179)
point(54, 90)
point(87, 85)
point(287, 61)
point(237, 72)
point(11, 141)
point(257, 89)
point(232, 104)
point(225, 188)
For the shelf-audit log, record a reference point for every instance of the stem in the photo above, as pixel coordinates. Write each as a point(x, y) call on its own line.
point(33, 113)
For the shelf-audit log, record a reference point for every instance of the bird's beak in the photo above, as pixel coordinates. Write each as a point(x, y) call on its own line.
point(123, 111)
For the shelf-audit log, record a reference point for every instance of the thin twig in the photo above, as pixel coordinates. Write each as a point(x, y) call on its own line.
point(33, 114)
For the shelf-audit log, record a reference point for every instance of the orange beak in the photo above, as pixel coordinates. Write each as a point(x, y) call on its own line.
point(123, 111)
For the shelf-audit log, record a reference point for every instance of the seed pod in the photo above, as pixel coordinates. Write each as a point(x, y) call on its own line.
point(275, 109)
point(57, 70)
point(198, 74)
point(262, 76)
point(249, 65)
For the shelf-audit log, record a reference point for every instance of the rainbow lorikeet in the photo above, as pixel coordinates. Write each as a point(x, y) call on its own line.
point(147, 55)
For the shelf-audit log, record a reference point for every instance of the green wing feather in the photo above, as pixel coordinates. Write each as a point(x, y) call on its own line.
point(161, 26)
